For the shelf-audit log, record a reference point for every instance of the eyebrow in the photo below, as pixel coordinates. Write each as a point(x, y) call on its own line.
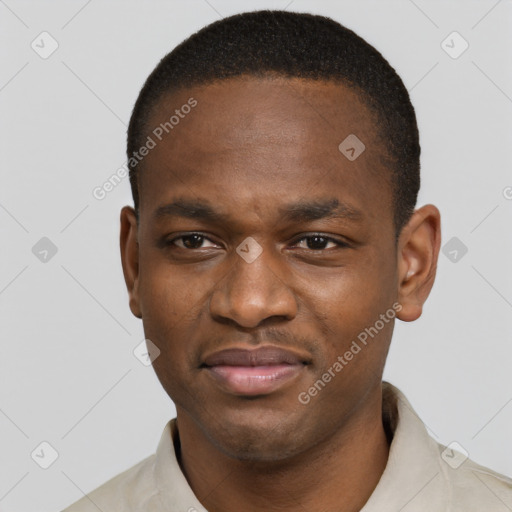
point(305, 211)
point(302, 211)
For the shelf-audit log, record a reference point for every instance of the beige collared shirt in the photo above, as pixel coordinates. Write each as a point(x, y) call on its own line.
point(420, 476)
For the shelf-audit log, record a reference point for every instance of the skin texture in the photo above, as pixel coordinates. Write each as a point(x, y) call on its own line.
point(250, 147)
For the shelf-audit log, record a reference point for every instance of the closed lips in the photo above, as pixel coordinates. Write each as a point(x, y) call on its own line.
point(264, 356)
point(257, 372)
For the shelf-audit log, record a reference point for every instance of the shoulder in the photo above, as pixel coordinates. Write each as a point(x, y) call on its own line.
point(133, 486)
point(472, 487)
point(429, 476)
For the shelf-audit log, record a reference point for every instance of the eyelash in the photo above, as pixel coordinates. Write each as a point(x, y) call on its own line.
point(340, 244)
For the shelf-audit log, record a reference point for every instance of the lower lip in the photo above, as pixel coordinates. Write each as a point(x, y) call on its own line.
point(254, 380)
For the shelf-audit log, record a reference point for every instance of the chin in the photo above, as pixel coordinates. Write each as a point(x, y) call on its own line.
point(257, 441)
point(256, 450)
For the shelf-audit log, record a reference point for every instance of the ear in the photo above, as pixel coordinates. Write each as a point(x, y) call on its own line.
point(418, 250)
point(130, 257)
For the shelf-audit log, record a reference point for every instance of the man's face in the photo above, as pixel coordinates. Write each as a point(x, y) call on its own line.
point(261, 154)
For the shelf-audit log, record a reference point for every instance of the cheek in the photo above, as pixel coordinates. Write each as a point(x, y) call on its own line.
point(170, 304)
point(352, 301)
point(169, 320)
point(167, 291)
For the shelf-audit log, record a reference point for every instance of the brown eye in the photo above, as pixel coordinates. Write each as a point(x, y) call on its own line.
point(192, 241)
point(319, 242)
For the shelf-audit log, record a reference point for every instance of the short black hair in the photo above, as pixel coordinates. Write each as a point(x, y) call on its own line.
point(299, 45)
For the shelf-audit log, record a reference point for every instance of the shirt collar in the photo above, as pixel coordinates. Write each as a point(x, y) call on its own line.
point(174, 490)
point(413, 469)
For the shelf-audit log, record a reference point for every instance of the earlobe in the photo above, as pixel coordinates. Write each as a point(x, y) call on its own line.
point(130, 257)
point(418, 251)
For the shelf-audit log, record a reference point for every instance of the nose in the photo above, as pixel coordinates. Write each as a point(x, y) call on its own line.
point(253, 292)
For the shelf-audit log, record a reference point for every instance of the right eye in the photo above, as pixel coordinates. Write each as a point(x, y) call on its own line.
point(189, 241)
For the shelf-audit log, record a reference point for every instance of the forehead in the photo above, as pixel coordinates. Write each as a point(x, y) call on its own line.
point(267, 107)
point(263, 135)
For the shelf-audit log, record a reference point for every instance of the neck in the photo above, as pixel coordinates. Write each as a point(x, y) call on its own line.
point(338, 474)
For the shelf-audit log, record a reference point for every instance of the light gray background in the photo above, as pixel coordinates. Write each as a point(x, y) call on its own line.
point(68, 374)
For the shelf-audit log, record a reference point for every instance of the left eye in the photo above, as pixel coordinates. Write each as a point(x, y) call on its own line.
point(319, 242)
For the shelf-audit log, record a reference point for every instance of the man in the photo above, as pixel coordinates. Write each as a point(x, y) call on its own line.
point(274, 165)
